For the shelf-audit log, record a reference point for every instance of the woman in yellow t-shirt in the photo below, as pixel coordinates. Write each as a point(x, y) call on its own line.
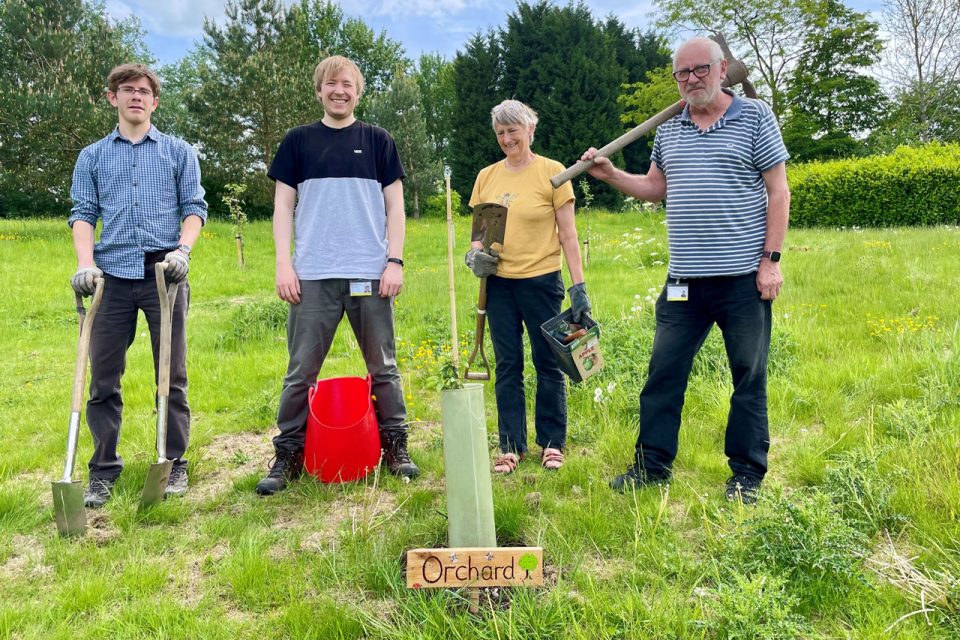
point(524, 286)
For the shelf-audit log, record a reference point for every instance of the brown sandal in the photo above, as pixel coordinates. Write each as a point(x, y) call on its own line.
point(551, 458)
point(506, 463)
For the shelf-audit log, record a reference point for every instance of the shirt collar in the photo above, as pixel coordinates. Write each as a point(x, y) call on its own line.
point(153, 133)
point(732, 113)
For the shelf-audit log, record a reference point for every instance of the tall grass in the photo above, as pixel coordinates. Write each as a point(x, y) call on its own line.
point(857, 529)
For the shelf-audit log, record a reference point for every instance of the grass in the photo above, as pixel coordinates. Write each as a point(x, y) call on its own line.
point(857, 533)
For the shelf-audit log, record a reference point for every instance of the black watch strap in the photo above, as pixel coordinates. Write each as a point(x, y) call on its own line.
point(395, 261)
point(774, 256)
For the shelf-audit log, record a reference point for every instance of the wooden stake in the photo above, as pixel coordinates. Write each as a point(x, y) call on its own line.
point(454, 343)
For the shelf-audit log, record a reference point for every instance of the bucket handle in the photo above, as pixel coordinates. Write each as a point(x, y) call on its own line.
point(312, 391)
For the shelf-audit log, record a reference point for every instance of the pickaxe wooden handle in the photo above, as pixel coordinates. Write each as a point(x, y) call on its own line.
point(736, 74)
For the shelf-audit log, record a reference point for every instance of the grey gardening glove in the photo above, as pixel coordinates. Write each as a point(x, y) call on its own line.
point(178, 264)
point(579, 302)
point(482, 264)
point(84, 280)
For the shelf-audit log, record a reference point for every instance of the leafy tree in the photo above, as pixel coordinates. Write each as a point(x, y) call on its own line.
point(476, 73)
point(923, 64)
point(643, 100)
point(831, 100)
point(561, 62)
point(251, 80)
point(55, 56)
point(774, 33)
point(398, 109)
point(434, 77)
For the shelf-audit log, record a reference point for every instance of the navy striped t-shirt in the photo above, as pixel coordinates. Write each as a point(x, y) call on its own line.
point(716, 197)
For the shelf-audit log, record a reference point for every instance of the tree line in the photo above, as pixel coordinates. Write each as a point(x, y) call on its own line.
point(823, 67)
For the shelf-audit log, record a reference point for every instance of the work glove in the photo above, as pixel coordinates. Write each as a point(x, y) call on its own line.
point(482, 264)
point(84, 280)
point(178, 264)
point(579, 302)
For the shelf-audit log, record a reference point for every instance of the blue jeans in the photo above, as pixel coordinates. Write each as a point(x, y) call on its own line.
point(310, 329)
point(734, 304)
point(513, 303)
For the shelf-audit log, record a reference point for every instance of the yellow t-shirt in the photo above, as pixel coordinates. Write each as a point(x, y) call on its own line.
point(531, 245)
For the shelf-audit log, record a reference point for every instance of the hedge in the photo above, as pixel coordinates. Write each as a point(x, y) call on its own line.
point(911, 186)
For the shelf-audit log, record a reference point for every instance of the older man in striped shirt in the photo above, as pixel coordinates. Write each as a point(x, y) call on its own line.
point(720, 166)
point(144, 188)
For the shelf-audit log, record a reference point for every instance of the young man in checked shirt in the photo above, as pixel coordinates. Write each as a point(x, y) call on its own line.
point(144, 188)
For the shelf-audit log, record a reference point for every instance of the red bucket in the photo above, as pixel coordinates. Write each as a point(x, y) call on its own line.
point(343, 440)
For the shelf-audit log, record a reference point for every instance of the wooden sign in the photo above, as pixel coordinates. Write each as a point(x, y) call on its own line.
point(475, 567)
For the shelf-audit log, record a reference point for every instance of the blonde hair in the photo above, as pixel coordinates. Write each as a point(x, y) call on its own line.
point(334, 66)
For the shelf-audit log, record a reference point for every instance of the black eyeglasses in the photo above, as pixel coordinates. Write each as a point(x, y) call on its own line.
point(700, 71)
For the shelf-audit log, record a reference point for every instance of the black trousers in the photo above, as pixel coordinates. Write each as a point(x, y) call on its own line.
point(114, 329)
point(734, 304)
point(513, 303)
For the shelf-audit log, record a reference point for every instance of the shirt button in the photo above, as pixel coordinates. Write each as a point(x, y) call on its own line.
point(136, 204)
point(135, 183)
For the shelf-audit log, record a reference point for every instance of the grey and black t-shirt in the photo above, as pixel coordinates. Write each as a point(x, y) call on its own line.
point(340, 219)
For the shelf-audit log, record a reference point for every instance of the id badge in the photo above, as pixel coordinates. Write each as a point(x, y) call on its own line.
point(678, 291)
point(361, 288)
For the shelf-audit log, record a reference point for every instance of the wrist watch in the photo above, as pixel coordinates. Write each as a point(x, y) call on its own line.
point(774, 256)
point(185, 248)
point(396, 261)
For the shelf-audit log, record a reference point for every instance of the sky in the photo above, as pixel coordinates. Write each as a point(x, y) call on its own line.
point(421, 26)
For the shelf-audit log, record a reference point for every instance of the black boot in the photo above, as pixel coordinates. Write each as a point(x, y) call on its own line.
point(396, 456)
point(286, 466)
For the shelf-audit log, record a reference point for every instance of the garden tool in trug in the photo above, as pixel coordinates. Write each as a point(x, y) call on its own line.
point(67, 494)
point(155, 486)
point(489, 226)
point(736, 74)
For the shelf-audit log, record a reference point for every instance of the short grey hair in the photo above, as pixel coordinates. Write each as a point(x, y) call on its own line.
point(513, 112)
point(716, 53)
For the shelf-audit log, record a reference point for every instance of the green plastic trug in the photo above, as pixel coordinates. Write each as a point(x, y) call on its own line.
point(467, 470)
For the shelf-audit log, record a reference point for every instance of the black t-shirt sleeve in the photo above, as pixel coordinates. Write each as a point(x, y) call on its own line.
point(389, 166)
point(286, 166)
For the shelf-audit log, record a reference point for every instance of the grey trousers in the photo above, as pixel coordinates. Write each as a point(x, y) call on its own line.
point(114, 329)
point(310, 330)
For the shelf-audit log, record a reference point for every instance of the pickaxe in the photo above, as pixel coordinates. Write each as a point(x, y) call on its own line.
point(736, 74)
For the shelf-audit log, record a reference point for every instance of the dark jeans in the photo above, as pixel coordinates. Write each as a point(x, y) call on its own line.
point(310, 329)
point(114, 329)
point(513, 303)
point(734, 304)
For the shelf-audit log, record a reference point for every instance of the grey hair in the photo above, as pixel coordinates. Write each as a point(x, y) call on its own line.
point(513, 112)
point(716, 53)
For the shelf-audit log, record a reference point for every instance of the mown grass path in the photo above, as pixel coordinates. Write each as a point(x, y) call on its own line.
point(859, 523)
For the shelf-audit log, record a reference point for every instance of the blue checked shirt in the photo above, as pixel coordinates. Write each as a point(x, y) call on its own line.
point(141, 192)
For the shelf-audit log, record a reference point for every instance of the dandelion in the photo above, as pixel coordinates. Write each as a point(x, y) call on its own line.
point(636, 296)
point(611, 387)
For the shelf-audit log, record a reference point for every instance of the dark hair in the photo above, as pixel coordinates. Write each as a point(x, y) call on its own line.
point(132, 71)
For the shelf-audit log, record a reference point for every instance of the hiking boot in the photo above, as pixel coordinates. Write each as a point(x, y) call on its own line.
point(177, 484)
point(743, 487)
point(98, 492)
point(395, 455)
point(286, 466)
point(636, 478)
